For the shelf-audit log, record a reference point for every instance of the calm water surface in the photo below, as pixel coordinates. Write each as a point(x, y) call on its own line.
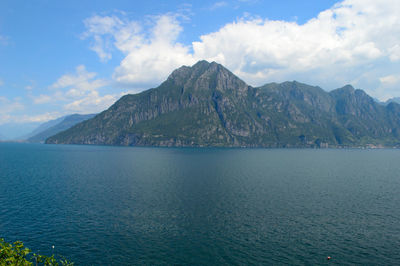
point(122, 206)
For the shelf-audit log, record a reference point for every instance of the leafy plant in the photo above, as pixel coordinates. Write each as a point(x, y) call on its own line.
point(17, 254)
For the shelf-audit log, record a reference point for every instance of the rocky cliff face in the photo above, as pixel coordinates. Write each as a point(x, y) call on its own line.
point(207, 105)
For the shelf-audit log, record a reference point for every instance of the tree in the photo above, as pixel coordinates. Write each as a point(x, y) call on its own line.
point(17, 254)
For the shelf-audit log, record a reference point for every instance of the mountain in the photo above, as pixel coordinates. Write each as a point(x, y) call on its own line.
point(394, 100)
point(55, 126)
point(207, 105)
point(43, 127)
point(378, 101)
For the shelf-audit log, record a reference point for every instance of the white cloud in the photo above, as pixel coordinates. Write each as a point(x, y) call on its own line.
point(79, 92)
point(391, 79)
point(91, 103)
point(150, 52)
point(30, 86)
point(24, 119)
point(154, 59)
point(218, 5)
point(42, 99)
point(340, 42)
point(82, 80)
point(8, 107)
point(389, 86)
point(98, 27)
point(395, 53)
point(1, 82)
point(37, 118)
point(341, 45)
point(13, 111)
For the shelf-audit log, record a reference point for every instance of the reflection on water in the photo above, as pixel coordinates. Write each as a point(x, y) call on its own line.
point(118, 205)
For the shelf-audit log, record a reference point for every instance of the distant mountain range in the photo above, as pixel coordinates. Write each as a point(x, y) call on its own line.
point(393, 100)
point(55, 126)
point(207, 105)
point(43, 127)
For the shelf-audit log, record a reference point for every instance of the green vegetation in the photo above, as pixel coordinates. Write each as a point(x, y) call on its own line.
point(207, 105)
point(17, 254)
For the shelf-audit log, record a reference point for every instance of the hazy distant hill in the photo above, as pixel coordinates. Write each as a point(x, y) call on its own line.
point(43, 127)
point(393, 100)
point(53, 127)
point(207, 105)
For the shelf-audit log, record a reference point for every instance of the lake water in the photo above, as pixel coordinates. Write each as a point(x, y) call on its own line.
point(123, 205)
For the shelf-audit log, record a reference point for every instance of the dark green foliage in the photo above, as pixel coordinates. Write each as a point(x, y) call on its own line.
point(207, 105)
point(17, 254)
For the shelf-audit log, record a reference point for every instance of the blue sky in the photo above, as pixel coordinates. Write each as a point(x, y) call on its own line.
point(63, 57)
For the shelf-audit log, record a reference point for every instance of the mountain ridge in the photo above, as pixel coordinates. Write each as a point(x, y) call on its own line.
point(55, 126)
point(207, 105)
point(42, 127)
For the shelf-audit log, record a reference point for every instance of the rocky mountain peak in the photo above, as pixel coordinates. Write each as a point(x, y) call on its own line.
point(187, 71)
point(348, 88)
point(344, 91)
point(204, 75)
